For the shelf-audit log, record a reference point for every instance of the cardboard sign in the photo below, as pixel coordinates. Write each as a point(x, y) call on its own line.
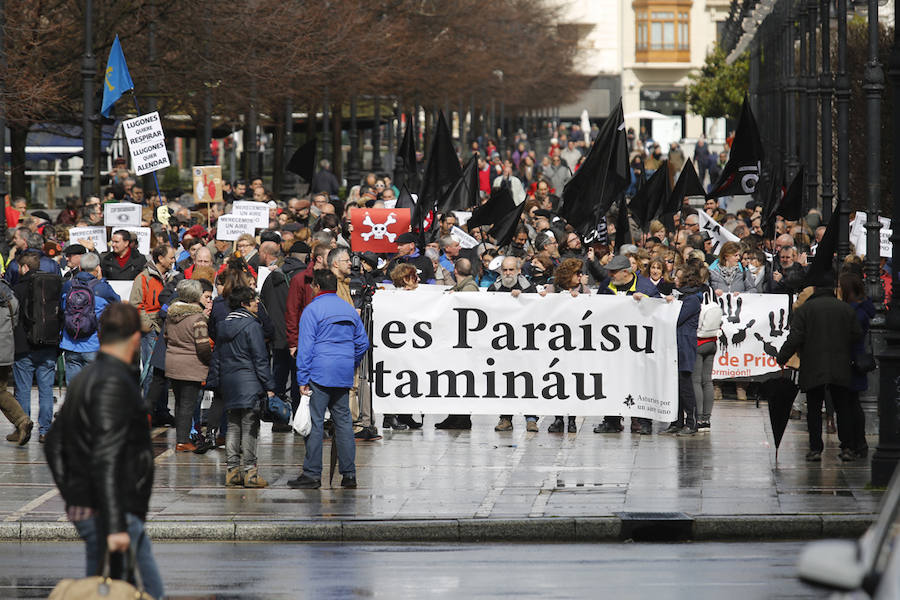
point(146, 143)
point(120, 215)
point(258, 211)
point(231, 227)
point(143, 237)
point(208, 184)
point(376, 229)
point(465, 240)
point(97, 235)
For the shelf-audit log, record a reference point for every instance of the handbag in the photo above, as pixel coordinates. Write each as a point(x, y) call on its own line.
point(274, 409)
point(302, 420)
point(102, 587)
point(864, 362)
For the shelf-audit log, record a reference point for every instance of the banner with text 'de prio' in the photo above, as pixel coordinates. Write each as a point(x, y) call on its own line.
point(754, 326)
point(490, 353)
point(146, 143)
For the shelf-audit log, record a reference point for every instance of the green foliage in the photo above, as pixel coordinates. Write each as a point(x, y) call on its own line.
point(718, 89)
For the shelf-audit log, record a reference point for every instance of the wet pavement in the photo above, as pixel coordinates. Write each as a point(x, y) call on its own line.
point(400, 571)
point(481, 474)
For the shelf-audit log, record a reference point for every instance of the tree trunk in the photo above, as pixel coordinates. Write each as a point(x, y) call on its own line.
point(17, 135)
point(279, 160)
point(337, 145)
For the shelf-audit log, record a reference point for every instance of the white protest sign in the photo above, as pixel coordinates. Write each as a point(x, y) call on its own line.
point(717, 233)
point(858, 234)
point(465, 240)
point(122, 214)
point(230, 227)
point(462, 216)
point(143, 237)
point(258, 211)
point(390, 203)
point(261, 275)
point(97, 235)
point(754, 327)
point(495, 354)
point(146, 143)
point(122, 288)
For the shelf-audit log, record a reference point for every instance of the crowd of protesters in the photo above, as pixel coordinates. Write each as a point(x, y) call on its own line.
point(207, 334)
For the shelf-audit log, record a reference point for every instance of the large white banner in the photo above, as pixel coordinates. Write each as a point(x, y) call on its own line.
point(753, 329)
point(494, 354)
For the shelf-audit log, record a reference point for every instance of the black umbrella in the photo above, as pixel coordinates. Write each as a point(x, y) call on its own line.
point(779, 392)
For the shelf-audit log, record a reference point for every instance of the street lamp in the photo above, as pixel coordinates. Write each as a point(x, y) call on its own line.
point(88, 70)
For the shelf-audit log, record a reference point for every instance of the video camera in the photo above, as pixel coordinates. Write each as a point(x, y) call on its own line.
point(362, 284)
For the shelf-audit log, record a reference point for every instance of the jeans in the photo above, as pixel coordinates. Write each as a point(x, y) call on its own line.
point(337, 401)
point(42, 364)
point(815, 398)
point(187, 394)
point(157, 396)
point(702, 380)
point(241, 439)
point(687, 406)
point(75, 362)
point(8, 405)
point(284, 370)
point(148, 342)
point(95, 548)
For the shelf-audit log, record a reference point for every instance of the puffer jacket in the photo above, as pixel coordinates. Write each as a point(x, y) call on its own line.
point(188, 351)
point(99, 448)
point(9, 317)
point(240, 364)
point(332, 342)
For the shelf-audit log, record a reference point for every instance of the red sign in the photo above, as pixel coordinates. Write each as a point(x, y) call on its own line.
point(376, 229)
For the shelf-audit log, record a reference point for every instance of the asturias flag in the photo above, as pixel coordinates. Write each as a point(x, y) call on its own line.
point(117, 80)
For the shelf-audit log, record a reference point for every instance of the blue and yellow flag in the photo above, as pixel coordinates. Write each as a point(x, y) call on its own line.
point(117, 80)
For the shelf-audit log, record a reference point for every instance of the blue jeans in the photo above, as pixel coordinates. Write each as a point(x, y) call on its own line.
point(337, 400)
point(40, 364)
point(148, 341)
point(95, 549)
point(75, 362)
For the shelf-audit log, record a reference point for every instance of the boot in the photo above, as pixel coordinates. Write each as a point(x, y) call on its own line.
point(503, 425)
point(234, 477)
point(14, 436)
point(572, 427)
point(556, 426)
point(252, 479)
point(24, 432)
point(391, 422)
point(409, 421)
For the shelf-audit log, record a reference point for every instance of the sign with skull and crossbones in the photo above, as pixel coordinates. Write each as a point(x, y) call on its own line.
point(376, 229)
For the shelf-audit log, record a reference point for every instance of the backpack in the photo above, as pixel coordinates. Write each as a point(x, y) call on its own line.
point(711, 316)
point(79, 316)
point(42, 315)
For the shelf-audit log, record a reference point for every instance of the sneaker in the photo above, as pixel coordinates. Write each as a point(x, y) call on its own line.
point(204, 445)
point(556, 426)
point(189, 447)
point(531, 426)
point(349, 482)
point(703, 427)
point(503, 425)
point(366, 435)
point(24, 432)
point(234, 477)
point(304, 483)
point(686, 431)
point(42, 438)
point(605, 427)
point(252, 479)
point(848, 455)
point(813, 456)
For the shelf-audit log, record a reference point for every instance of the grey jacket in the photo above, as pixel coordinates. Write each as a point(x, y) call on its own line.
point(743, 281)
point(9, 318)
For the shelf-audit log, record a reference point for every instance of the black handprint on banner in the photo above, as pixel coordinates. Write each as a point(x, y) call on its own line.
point(723, 340)
point(767, 347)
point(729, 314)
point(738, 338)
point(777, 331)
point(737, 311)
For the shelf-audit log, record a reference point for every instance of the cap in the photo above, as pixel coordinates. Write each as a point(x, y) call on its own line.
point(370, 258)
point(291, 226)
point(407, 238)
point(196, 231)
point(617, 263)
point(75, 249)
point(41, 215)
point(299, 248)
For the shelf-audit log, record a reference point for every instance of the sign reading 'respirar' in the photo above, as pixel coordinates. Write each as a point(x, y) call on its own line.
point(146, 143)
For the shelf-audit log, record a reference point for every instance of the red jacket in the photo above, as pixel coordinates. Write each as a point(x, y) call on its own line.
point(299, 296)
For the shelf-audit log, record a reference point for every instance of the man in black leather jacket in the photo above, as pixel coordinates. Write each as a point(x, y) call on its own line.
point(100, 453)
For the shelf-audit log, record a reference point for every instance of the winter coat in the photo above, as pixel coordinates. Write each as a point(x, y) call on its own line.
point(332, 342)
point(299, 296)
point(274, 295)
point(865, 310)
point(9, 318)
point(103, 296)
point(145, 291)
point(465, 284)
point(791, 280)
point(823, 332)
point(639, 285)
point(686, 330)
point(240, 364)
point(220, 312)
point(522, 284)
point(109, 265)
point(188, 351)
point(742, 282)
point(48, 265)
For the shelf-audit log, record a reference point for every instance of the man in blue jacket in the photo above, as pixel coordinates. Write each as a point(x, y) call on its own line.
point(331, 344)
point(81, 347)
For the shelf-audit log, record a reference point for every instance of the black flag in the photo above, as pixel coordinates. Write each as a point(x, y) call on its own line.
point(505, 227)
point(464, 193)
point(498, 205)
point(601, 178)
point(651, 197)
point(407, 153)
point(405, 199)
point(822, 267)
point(741, 173)
point(623, 227)
point(442, 170)
point(688, 184)
point(303, 162)
point(790, 205)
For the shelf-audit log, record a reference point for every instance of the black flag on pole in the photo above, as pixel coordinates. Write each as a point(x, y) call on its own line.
point(498, 205)
point(303, 162)
point(688, 184)
point(651, 197)
point(405, 199)
point(790, 205)
point(442, 170)
point(623, 227)
point(741, 173)
point(464, 193)
point(601, 178)
point(505, 227)
point(822, 267)
point(407, 153)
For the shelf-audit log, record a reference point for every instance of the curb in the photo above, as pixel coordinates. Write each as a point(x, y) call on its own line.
point(561, 529)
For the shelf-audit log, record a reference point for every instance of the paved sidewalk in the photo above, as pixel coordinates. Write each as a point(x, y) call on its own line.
point(479, 484)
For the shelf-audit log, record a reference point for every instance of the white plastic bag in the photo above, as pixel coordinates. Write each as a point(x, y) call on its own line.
point(302, 422)
point(206, 400)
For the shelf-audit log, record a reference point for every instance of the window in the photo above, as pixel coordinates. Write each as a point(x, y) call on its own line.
point(662, 30)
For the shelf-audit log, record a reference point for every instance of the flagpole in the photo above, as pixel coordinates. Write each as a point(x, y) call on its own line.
point(155, 180)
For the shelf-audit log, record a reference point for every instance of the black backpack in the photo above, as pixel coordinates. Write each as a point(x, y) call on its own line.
point(41, 312)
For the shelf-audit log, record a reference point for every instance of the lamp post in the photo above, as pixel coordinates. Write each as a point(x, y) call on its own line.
point(803, 106)
point(873, 85)
point(4, 248)
point(88, 70)
point(826, 90)
point(376, 135)
point(353, 158)
point(842, 99)
point(812, 109)
point(887, 454)
point(791, 89)
point(288, 179)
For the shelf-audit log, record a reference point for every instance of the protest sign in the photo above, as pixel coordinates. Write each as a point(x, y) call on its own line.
point(465, 240)
point(258, 211)
point(121, 287)
point(97, 235)
point(208, 185)
point(143, 237)
point(119, 215)
point(462, 216)
point(495, 354)
point(262, 273)
point(858, 234)
point(718, 234)
point(231, 227)
point(754, 327)
point(376, 229)
point(146, 143)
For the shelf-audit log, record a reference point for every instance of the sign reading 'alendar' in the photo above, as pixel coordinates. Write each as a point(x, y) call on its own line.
point(490, 353)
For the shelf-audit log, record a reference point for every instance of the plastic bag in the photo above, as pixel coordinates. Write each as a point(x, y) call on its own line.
point(302, 421)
